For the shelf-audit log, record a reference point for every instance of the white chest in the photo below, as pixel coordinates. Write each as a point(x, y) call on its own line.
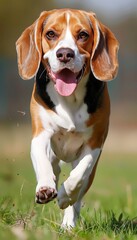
point(67, 123)
point(69, 130)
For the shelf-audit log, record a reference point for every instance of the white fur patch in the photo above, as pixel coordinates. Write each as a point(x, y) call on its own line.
point(67, 131)
point(71, 214)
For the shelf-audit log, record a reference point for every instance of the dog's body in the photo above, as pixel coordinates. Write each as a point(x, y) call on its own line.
point(68, 51)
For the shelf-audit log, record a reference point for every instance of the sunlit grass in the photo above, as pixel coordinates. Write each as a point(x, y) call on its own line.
point(109, 209)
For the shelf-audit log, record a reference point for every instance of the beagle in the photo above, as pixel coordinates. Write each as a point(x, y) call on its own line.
point(72, 56)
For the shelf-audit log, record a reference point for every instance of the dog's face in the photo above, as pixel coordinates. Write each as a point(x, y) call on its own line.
point(70, 44)
point(67, 45)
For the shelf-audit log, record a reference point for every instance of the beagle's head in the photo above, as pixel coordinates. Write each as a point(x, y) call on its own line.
point(70, 44)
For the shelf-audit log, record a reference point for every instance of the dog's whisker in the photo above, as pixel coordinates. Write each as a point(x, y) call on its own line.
point(42, 73)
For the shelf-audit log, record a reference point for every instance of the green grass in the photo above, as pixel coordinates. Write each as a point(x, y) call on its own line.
point(109, 209)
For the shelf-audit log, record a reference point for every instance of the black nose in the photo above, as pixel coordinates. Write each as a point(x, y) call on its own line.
point(65, 54)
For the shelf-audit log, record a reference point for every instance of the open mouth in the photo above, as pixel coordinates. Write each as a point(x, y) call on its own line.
point(66, 80)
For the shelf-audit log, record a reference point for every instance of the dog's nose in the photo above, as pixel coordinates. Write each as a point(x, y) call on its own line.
point(65, 54)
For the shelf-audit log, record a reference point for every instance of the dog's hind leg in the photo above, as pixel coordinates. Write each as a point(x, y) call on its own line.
point(71, 214)
point(80, 178)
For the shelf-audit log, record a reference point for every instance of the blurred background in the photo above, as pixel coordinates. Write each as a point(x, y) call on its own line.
point(15, 16)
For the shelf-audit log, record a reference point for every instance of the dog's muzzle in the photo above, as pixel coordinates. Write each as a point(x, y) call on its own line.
point(66, 80)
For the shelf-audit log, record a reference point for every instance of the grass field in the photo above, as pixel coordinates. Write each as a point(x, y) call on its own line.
point(109, 210)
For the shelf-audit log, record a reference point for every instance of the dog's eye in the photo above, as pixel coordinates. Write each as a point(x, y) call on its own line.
point(83, 36)
point(50, 35)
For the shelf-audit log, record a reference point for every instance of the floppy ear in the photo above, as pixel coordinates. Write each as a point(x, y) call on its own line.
point(29, 49)
point(104, 60)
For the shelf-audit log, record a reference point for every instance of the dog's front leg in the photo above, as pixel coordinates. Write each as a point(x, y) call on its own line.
point(42, 156)
point(75, 186)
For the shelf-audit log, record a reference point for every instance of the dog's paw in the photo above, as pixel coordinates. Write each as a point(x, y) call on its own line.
point(64, 198)
point(45, 194)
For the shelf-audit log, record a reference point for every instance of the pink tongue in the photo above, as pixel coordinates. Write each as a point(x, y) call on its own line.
point(66, 82)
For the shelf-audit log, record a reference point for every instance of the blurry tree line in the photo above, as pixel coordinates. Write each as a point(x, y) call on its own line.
point(16, 15)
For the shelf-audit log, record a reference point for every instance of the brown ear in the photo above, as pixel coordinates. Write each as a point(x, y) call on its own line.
point(29, 50)
point(104, 61)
